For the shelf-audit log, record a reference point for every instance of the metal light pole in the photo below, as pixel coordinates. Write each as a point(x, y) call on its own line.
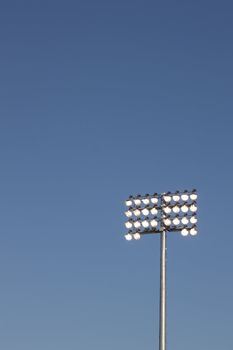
point(163, 291)
point(161, 214)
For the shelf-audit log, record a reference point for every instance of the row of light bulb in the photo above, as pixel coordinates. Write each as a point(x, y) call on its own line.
point(167, 210)
point(184, 232)
point(129, 202)
point(192, 231)
point(167, 222)
point(177, 209)
point(144, 223)
point(129, 236)
point(177, 197)
point(177, 221)
point(144, 211)
point(167, 198)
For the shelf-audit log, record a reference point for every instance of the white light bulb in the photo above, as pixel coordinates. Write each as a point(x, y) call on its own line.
point(128, 203)
point(184, 221)
point(154, 200)
point(137, 224)
point(137, 236)
point(145, 201)
point(145, 223)
point(128, 213)
point(128, 224)
point(167, 199)
point(193, 208)
point(145, 211)
point(167, 210)
point(176, 198)
point(193, 196)
point(176, 209)
point(167, 222)
point(128, 237)
point(184, 208)
point(137, 212)
point(193, 231)
point(184, 197)
point(154, 223)
point(193, 220)
point(137, 202)
point(176, 221)
point(154, 211)
point(184, 232)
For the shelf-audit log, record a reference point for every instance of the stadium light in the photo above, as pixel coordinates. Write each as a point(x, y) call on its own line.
point(162, 214)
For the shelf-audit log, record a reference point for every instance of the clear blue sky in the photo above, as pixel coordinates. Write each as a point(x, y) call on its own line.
point(99, 100)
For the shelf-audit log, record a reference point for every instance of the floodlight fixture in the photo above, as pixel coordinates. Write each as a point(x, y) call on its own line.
point(161, 214)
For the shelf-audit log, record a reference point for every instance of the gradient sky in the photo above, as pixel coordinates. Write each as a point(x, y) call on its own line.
point(99, 100)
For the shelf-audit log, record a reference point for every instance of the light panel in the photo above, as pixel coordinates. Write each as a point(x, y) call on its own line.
point(155, 213)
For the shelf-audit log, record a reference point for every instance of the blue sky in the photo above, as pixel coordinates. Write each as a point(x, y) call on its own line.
point(100, 100)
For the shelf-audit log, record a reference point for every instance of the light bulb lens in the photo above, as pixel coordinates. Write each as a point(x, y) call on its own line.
point(193, 208)
point(128, 224)
point(184, 221)
point(176, 209)
point(176, 198)
point(145, 211)
point(184, 197)
point(184, 232)
point(167, 222)
point(193, 220)
point(128, 203)
point(137, 224)
point(193, 231)
point(167, 210)
point(154, 223)
point(137, 212)
point(154, 211)
point(193, 196)
point(128, 237)
point(154, 200)
point(184, 209)
point(128, 213)
point(145, 223)
point(137, 202)
point(167, 199)
point(137, 236)
point(176, 221)
point(145, 201)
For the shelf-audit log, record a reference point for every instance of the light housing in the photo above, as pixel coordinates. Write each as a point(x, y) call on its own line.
point(169, 211)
